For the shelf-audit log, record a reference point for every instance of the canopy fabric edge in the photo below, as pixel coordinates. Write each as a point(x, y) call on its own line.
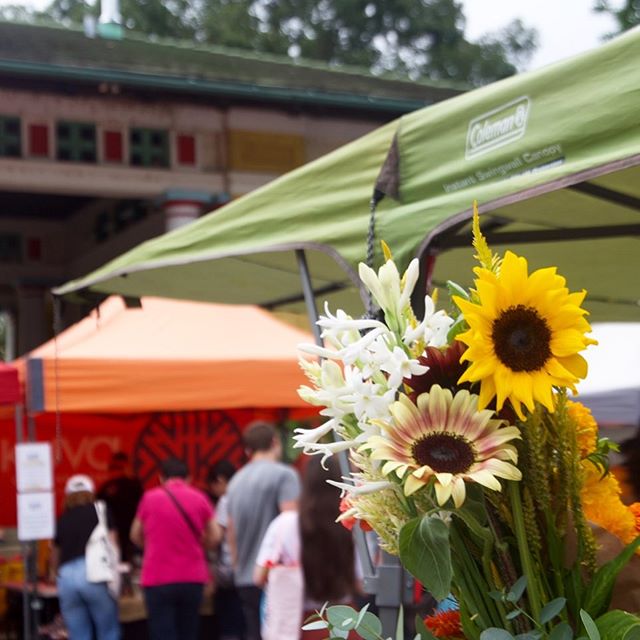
point(526, 194)
point(76, 286)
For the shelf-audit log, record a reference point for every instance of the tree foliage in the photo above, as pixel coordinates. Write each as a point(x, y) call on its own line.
point(626, 15)
point(418, 38)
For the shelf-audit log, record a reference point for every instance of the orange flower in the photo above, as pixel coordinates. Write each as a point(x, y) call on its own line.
point(445, 624)
point(602, 504)
point(635, 509)
point(586, 427)
point(348, 520)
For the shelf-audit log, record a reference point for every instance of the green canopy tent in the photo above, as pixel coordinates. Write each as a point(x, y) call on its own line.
point(551, 156)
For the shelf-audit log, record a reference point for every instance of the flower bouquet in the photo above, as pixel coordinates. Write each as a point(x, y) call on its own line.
point(470, 461)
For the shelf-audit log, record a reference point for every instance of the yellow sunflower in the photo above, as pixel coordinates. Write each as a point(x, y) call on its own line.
point(524, 336)
point(444, 439)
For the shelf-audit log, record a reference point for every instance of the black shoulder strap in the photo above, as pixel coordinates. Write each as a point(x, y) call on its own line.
point(185, 515)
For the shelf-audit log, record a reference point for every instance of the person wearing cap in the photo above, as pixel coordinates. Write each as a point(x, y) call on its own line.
point(85, 606)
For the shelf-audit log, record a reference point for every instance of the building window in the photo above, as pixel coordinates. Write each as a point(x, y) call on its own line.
point(10, 138)
point(76, 141)
point(186, 149)
point(149, 147)
point(10, 248)
point(113, 146)
point(38, 140)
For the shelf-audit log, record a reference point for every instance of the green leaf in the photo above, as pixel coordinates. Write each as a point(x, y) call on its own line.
point(496, 595)
point(422, 630)
point(598, 595)
point(313, 626)
point(618, 624)
point(426, 553)
point(456, 290)
point(551, 610)
point(492, 633)
point(562, 632)
point(530, 635)
point(516, 591)
point(370, 628)
point(361, 614)
point(513, 614)
point(400, 624)
point(589, 626)
point(342, 617)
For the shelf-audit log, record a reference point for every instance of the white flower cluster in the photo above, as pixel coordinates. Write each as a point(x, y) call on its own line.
point(365, 360)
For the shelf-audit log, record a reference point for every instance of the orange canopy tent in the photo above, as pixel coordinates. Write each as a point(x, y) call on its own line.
point(168, 355)
point(168, 378)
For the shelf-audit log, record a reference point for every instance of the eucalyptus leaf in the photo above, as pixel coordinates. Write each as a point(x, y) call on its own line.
point(492, 633)
point(562, 632)
point(426, 553)
point(342, 617)
point(496, 595)
point(589, 626)
point(361, 614)
point(370, 627)
point(551, 610)
point(314, 626)
point(516, 591)
point(530, 635)
point(513, 614)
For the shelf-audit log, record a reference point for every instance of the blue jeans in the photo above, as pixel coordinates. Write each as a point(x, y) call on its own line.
point(173, 610)
point(86, 606)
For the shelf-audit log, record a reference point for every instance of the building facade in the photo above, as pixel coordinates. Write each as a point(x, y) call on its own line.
point(106, 143)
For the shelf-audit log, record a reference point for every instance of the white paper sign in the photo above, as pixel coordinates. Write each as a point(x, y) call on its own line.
point(34, 469)
point(36, 517)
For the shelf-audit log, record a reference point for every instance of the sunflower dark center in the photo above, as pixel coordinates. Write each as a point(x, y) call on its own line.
point(521, 339)
point(444, 453)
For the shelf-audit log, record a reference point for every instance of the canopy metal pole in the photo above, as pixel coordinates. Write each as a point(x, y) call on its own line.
point(386, 581)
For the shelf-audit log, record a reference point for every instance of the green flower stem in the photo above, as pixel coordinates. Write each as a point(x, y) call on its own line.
point(475, 582)
point(523, 549)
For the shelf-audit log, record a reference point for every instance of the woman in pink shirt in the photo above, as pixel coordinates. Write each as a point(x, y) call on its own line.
point(174, 524)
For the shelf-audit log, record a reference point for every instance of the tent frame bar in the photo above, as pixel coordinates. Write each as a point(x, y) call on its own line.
point(540, 235)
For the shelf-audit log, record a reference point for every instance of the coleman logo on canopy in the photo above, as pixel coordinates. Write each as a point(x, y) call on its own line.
point(497, 127)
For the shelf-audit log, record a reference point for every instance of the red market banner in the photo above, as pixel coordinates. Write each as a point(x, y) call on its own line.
point(88, 441)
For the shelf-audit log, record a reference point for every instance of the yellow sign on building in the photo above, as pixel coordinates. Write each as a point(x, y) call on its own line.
point(268, 152)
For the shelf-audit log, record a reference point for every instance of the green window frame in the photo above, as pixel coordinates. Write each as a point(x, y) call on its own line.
point(10, 137)
point(149, 147)
point(76, 141)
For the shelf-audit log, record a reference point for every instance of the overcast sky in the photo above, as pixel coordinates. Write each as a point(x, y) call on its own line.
point(565, 27)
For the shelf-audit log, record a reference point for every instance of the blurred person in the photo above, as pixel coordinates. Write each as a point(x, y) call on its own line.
point(227, 605)
point(218, 478)
point(313, 543)
point(85, 605)
point(173, 524)
point(122, 493)
point(261, 490)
